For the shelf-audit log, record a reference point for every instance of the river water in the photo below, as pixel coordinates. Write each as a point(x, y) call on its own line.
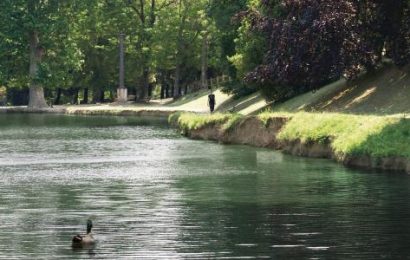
point(153, 194)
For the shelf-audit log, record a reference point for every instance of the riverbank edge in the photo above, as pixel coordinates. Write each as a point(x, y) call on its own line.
point(86, 111)
point(248, 130)
point(252, 131)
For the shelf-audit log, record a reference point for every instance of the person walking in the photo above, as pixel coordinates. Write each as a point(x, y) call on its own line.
point(211, 102)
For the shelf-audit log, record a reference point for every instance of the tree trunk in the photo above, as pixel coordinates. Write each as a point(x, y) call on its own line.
point(85, 98)
point(147, 19)
point(36, 93)
point(179, 52)
point(167, 95)
point(58, 97)
point(98, 96)
point(145, 85)
point(177, 79)
point(204, 62)
point(74, 100)
point(150, 90)
point(162, 91)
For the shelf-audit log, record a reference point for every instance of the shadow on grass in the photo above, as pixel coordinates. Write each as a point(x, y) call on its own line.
point(386, 91)
point(188, 98)
point(233, 105)
point(392, 141)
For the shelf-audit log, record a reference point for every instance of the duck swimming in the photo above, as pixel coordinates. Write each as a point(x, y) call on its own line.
point(81, 240)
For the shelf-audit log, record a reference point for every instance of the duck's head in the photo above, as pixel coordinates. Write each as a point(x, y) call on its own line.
point(89, 226)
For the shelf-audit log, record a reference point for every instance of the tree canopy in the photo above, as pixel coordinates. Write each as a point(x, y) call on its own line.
point(313, 42)
point(282, 47)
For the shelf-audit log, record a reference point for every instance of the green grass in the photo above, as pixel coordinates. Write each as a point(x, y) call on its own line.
point(266, 115)
point(348, 135)
point(173, 118)
point(232, 122)
point(192, 121)
point(355, 135)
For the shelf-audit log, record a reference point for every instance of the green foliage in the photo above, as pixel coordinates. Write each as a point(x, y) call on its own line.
point(222, 13)
point(55, 23)
point(80, 39)
point(281, 47)
point(250, 48)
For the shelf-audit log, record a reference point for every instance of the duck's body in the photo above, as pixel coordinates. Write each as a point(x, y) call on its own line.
point(80, 240)
point(83, 239)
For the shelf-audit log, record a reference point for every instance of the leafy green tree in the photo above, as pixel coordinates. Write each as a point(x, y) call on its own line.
point(182, 26)
point(223, 13)
point(38, 48)
point(250, 47)
point(102, 23)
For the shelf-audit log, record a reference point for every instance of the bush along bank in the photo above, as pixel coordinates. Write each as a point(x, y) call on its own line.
point(372, 142)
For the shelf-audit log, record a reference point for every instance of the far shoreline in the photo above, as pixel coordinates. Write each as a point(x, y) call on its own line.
point(109, 109)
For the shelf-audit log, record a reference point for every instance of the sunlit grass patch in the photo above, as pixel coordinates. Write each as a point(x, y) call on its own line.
point(376, 136)
point(192, 121)
point(232, 122)
point(348, 135)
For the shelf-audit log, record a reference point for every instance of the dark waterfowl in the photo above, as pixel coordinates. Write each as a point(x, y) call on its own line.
point(87, 239)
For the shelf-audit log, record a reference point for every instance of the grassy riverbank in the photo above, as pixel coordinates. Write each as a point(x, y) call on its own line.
point(362, 122)
point(353, 135)
point(192, 121)
point(344, 135)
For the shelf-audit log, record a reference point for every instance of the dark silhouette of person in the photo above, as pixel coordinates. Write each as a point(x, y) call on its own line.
point(211, 102)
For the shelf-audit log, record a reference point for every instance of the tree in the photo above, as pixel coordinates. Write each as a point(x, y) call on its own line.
point(314, 42)
point(146, 14)
point(384, 27)
point(188, 43)
point(34, 31)
point(182, 26)
point(101, 24)
point(250, 48)
point(223, 13)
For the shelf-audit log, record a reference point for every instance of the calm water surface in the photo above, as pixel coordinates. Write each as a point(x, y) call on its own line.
point(153, 194)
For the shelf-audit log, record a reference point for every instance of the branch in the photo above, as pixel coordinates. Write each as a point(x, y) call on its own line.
point(166, 4)
point(138, 11)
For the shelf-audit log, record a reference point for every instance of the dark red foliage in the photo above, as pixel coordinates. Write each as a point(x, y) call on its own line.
point(313, 42)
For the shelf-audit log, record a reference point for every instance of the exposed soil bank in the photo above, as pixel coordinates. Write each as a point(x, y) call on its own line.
point(251, 131)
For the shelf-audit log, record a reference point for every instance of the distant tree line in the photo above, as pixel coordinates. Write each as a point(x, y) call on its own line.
point(67, 51)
